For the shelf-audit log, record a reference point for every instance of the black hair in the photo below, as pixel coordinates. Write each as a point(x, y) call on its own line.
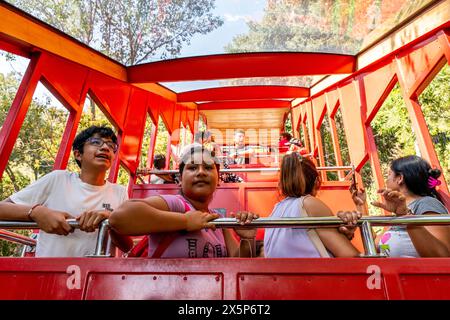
point(286, 135)
point(416, 172)
point(159, 161)
point(80, 139)
point(188, 157)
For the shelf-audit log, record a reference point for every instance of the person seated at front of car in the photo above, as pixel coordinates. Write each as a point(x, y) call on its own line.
point(284, 143)
point(410, 190)
point(201, 139)
point(240, 153)
point(62, 195)
point(299, 184)
point(181, 226)
point(297, 146)
point(159, 162)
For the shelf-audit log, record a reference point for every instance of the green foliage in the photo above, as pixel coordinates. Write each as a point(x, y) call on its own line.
point(328, 150)
point(287, 27)
point(327, 142)
point(35, 149)
point(294, 26)
point(288, 125)
point(324, 26)
point(392, 129)
point(161, 141)
point(393, 137)
point(38, 141)
point(130, 31)
point(435, 102)
point(9, 249)
point(343, 145)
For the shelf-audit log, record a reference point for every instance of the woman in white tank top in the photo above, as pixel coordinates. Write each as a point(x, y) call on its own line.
point(299, 183)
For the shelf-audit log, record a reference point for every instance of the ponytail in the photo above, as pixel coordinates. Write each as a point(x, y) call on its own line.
point(418, 175)
point(298, 176)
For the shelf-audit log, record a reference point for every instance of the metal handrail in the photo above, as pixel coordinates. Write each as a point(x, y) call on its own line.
point(17, 238)
point(265, 169)
point(365, 223)
point(333, 222)
point(102, 248)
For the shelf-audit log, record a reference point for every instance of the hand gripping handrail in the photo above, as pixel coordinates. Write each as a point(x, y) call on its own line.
point(365, 223)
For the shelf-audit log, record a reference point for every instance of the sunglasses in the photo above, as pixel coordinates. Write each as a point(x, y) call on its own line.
point(98, 142)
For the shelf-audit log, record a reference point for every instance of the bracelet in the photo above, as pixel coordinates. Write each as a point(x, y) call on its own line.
point(31, 211)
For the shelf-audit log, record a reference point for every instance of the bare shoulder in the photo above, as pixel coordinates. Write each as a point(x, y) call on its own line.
point(316, 207)
point(154, 201)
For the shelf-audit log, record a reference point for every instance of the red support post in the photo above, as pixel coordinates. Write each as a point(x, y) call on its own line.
point(151, 146)
point(372, 152)
point(114, 170)
point(71, 128)
point(444, 41)
point(321, 153)
point(306, 137)
point(336, 147)
point(66, 142)
point(168, 150)
point(419, 124)
point(18, 111)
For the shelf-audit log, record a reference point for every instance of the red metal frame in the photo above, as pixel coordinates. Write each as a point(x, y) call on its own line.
point(258, 104)
point(227, 279)
point(71, 93)
point(359, 97)
point(241, 65)
point(19, 108)
point(243, 93)
point(363, 93)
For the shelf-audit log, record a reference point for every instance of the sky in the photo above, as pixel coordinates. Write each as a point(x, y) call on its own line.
point(235, 14)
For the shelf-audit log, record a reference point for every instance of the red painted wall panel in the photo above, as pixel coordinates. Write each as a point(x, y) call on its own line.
point(154, 286)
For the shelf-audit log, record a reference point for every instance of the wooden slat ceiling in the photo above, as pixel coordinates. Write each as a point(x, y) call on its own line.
point(245, 114)
point(245, 118)
point(250, 120)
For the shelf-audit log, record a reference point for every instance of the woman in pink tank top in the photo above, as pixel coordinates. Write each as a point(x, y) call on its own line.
point(181, 226)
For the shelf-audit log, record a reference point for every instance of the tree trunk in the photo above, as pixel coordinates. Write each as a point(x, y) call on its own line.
point(13, 178)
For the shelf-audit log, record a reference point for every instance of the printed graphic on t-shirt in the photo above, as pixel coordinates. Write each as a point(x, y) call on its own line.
point(384, 246)
point(107, 206)
point(208, 248)
point(192, 247)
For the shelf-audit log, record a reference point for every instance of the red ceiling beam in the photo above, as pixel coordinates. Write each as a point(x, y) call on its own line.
point(243, 93)
point(242, 65)
point(257, 104)
point(13, 46)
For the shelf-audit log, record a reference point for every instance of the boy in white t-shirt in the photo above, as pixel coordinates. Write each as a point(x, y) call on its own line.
point(62, 195)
